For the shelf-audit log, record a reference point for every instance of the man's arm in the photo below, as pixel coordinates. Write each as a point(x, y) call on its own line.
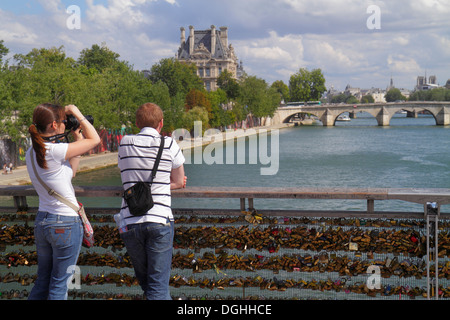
point(177, 178)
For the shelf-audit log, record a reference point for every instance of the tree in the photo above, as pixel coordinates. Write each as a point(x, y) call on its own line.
point(197, 98)
point(394, 94)
point(367, 99)
point(351, 100)
point(193, 115)
point(306, 85)
point(437, 94)
point(98, 58)
point(259, 99)
point(219, 117)
point(317, 84)
point(226, 82)
point(178, 77)
point(338, 98)
point(282, 89)
point(3, 53)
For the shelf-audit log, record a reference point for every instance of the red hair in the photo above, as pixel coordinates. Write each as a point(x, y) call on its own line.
point(149, 115)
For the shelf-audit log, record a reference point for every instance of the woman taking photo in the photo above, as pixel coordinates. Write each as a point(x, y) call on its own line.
point(58, 228)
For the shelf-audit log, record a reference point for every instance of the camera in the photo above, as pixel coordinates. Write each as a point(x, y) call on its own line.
point(73, 124)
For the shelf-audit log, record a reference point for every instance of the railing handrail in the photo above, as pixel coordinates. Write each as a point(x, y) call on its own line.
point(440, 196)
point(417, 195)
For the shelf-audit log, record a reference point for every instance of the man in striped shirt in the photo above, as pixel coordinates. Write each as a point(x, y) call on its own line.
point(149, 238)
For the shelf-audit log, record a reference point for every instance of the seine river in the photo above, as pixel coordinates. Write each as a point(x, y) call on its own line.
point(410, 153)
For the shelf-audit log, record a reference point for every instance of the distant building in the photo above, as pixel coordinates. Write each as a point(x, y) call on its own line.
point(378, 94)
point(210, 52)
point(391, 85)
point(405, 92)
point(423, 84)
point(351, 91)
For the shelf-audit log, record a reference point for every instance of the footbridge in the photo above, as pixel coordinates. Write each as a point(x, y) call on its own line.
point(383, 112)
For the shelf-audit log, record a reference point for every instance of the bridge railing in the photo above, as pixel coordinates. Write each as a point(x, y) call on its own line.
point(248, 252)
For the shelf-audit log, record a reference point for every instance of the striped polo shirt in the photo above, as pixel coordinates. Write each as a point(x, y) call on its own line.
point(137, 154)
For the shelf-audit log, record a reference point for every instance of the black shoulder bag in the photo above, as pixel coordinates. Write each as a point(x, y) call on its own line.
point(139, 197)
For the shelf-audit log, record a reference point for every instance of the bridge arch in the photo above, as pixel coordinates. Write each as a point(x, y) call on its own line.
point(293, 115)
point(383, 112)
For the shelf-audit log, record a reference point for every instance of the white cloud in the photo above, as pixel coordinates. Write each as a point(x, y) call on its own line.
point(401, 40)
point(275, 53)
point(431, 6)
point(15, 32)
point(273, 38)
point(403, 64)
point(118, 14)
point(327, 56)
point(52, 6)
point(324, 7)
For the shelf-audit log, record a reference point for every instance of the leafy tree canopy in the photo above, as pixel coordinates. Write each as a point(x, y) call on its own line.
point(394, 94)
point(306, 85)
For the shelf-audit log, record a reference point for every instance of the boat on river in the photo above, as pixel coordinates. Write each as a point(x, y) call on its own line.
point(343, 117)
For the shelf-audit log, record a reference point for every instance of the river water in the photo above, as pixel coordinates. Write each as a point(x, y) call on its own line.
point(410, 153)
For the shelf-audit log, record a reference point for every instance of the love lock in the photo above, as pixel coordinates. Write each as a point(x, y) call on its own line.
point(323, 258)
point(353, 246)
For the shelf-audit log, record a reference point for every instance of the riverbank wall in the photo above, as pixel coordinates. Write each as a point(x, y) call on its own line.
point(19, 176)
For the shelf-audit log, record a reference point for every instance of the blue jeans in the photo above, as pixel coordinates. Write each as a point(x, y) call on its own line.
point(150, 247)
point(58, 243)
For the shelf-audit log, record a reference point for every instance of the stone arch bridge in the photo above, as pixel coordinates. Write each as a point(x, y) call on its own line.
point(383, 112)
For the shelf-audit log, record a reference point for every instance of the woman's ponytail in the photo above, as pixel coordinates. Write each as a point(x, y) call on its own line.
point(38, 146)
point(43, 115)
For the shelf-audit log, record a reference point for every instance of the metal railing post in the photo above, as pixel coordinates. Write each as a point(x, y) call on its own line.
point(432, 218)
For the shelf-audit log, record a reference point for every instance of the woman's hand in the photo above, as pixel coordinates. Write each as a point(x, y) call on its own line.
point(85, 141)
point(77, 134)
point(73, 110)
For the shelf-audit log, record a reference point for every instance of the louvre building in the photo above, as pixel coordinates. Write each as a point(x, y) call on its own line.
point(210, 52)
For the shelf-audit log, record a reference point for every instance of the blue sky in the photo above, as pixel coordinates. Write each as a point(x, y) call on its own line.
point(273, 38)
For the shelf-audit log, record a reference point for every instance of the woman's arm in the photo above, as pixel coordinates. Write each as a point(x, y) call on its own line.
point(83, 142)
point(75, 161)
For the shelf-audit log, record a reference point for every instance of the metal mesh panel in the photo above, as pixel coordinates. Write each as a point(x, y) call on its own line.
point(249, 256)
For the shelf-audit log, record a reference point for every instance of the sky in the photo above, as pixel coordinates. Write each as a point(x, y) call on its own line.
point(361, 43)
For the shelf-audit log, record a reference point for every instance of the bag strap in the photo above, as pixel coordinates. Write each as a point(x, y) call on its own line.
point(158, 159)
point(51, 191)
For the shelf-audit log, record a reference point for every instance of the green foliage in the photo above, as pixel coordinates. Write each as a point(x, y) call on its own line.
point(110, 90)
point(195, 114)
point(394, 94)
point(367, 99)
point(98, 58)
point(227, 83)
point(219, 116)
point(259, 99)
point(437, 94)
point(282, 89)
point(346, 98)
point(306, 85)
point(351, 100)
point(3, 52)
point(178, 77)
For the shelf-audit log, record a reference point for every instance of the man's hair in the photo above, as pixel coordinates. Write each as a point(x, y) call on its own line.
point(148, 115)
